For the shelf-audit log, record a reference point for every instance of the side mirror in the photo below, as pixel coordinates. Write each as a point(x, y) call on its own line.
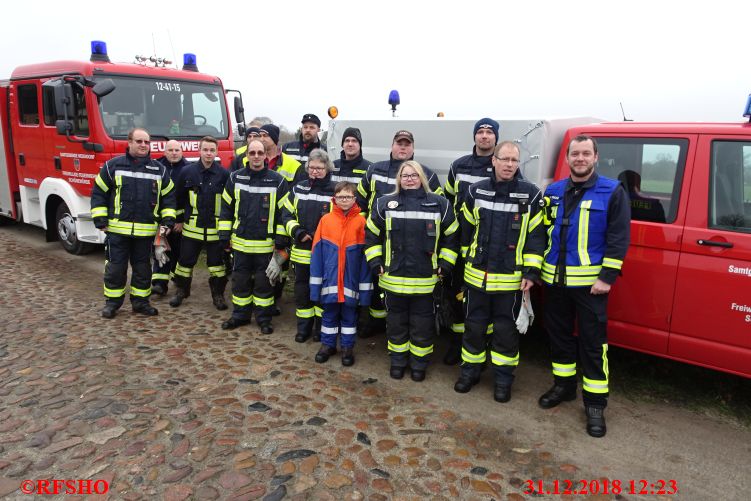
point(64, 127)
point(63, 94)
point(103, 87)
point(239, 110)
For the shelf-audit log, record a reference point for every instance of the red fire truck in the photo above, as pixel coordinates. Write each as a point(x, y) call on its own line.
point(62, 120)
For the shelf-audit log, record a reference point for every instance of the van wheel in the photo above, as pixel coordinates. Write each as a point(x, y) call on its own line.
point(66, 232)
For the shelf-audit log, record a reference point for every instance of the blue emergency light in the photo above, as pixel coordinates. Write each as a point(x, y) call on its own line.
point(99, 51)
point(747, 111)
point(394, 99)
point(189, 62)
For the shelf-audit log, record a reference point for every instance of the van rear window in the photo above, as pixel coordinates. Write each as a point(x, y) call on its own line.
point(651, 170)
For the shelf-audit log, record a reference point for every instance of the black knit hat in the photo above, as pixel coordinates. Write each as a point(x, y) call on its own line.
point(309, 117)
point(487, 123)
point(352, 132)
point(273, 132)
point(252, 130)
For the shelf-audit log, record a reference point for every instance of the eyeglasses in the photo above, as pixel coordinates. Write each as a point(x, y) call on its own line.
point(141, 141)
point(410, 176)
point(310, 167)
point(345, 198)
point(253, 153)
point(509, 160)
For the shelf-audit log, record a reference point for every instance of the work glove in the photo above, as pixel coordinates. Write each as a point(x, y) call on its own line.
point(274, 269)
point(526, 314)
point(161, 246)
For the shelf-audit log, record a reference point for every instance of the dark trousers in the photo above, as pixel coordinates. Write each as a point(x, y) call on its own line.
point(119, 250)
point(161, 274)
point(564, 305)
point(377, 310)
point(251, 287)
point(410, 329)
point(457, 306)
point(338, 318)
point(499, 310)
point(305, 310)
point(189, 251)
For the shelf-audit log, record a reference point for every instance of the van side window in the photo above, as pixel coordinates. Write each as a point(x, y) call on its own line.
point(650, 169)
point(730, 186)
point(80, 117)
point(28, 106)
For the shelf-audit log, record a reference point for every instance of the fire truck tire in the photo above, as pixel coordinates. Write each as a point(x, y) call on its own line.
point(5, 221)
point(65, 226)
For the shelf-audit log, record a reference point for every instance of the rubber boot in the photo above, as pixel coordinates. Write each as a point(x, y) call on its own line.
point(182, 292)
point(217, 286)
point(468, 377)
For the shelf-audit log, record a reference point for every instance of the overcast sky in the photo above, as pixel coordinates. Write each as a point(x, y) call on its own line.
point(664, 60)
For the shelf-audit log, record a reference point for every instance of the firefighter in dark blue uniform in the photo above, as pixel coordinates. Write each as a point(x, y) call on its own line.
point(502, 243)
point(131, 196)
point(410, 242)
point(250, 221)
point(465, 171)
point(199, 195)
point(300, 150)
point(308, 202)
point(380, 179)
point(589, 231)
point(162, 273)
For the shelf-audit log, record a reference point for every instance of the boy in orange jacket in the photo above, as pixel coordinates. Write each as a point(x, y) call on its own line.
point(340, 279)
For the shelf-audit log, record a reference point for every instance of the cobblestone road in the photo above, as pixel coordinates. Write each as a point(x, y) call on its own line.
point(174, 408)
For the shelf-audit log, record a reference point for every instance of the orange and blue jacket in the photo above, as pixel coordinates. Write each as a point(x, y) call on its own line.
point(339, 272)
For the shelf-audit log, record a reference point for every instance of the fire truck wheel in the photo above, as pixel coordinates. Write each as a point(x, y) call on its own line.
point(66, 232)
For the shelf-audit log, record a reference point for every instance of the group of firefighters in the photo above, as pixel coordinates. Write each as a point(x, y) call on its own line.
point(378, 238)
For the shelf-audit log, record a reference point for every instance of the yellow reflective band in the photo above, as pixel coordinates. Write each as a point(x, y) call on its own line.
point(465, 248)
point(498, 359)
point(102, 185)
point(407, 285)
point(99, 212)
point(159, 276)
point(535, 222)
point(398, 348)
point(452, 228)
point(420, 352)
point(263, 302)
point(140, 292)
point(291, 227)
point(169, 188)
point(471, 358)
point(118, 189)
point(594, 385)
point(448, 255)
point(225, 225)
point(373, 252)
point(457, 328)
point(114, 292)
point(375, 313)
point(564, 370)
point(227, 197)
point(468, 215)
point(305, 313)
point(183, 271)
point(612, 263)
point(281, 231)
point(584, 232)
point(167, 212)
point(217, 271)
point(318, 311)
point(300, 256)
point(533, 260)
point(252, 246)
point(242, 301)
point(372, 227)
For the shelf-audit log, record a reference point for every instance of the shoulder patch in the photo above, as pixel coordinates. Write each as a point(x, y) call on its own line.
point(242, 177)
point(518, 195)
point(151, 167)
point(486, 192)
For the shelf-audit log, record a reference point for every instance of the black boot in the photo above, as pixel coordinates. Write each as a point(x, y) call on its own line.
point(234, 323)
point(317, 329)
point(557, 394)
point(502, 392)
point(182, 292)
point(109, 311)
point(217, 286)
point(348, 357)
point(595, 421)
point(468, 377)
point(324, 353)
point(145, 309)
point(159, 288)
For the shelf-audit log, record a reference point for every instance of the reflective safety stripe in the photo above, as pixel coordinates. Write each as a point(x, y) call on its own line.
point(594, 385)
point(471, 358)
point(372, 227)
point(198, 233)
point(419, 351)
point(316, 280)
point(305, 313)
point(291, 227)
point(576, 276)
point(138, 175)
point(407, 285)
point(337, 179)
point(348, 331)
point(366, 286)
point(498, 359)
point(492, 282)
point(448, 255)
point(413, 214)
point(583, 240)
point(609, 262)
point(132, 229)
point(159, 276)
point(99, 212)
point(535, 221)
point(533, 260)
point(497, 206)
point(468, 214)
point(313, 196)
point(224, 225)
point(318, 311)
point(564, 370)
point(376, 313)
point(114, 292)
point(242, 301)
point(254, 189)
point(398, 348)
point(167, 212)
point(470, 179)
point(457, 328)
point(452, 228)
point(217, 271)
point(329, 330)
point(140, 292)
point(373, 252)
point(263, 302)
point(102, 185)
point(183, 271)
point(383, 179)
point(227, 197)
point(300, 256)
point(168, 188)
point(252, 246)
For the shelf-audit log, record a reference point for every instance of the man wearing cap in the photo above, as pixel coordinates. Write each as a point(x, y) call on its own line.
point(299, 150)
point(284, 164)
point(465, 171)
point(380, 180)
point(350, 166)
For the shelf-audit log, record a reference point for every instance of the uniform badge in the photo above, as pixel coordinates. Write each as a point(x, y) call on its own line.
point(392, 204)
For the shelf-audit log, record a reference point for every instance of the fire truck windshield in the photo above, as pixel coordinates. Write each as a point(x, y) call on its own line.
point(169, 108)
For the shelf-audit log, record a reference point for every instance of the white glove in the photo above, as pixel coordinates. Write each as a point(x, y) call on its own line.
point(160, 254)
point(274, 269)
point(526, 315)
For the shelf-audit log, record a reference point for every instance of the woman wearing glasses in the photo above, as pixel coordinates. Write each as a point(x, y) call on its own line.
point(309, 200)
point(410, 242)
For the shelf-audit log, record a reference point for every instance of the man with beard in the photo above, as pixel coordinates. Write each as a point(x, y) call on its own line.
point(299, 150)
